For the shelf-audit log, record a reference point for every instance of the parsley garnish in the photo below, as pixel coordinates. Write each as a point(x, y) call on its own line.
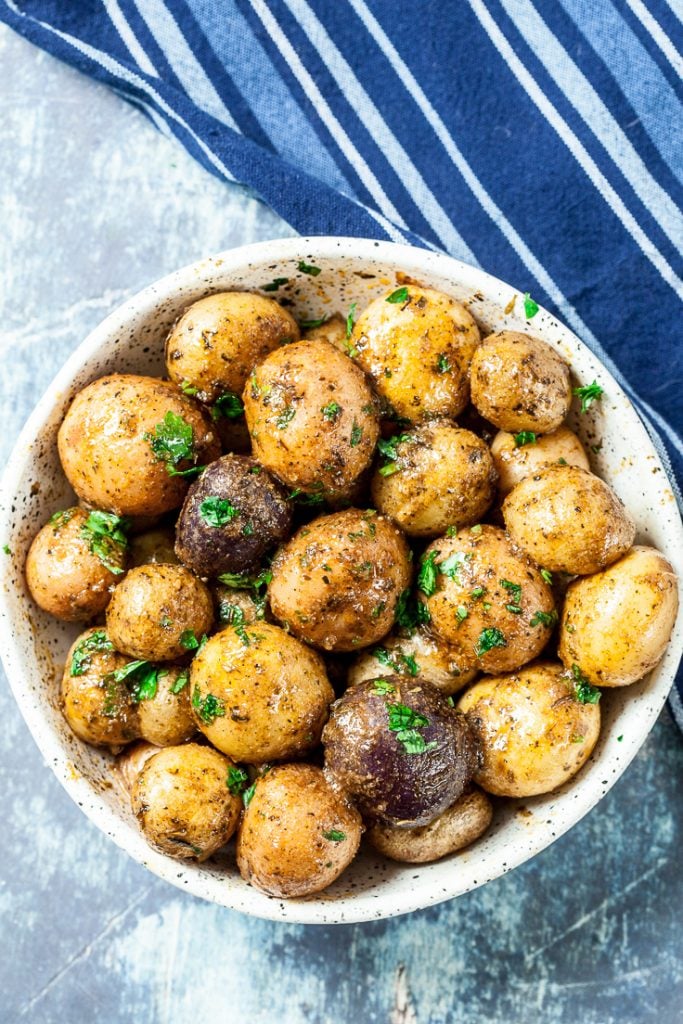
point(461, 613)
point(356, 435)
point(478, 592)
point(302, 498)
point(525, 437)
point(275, 284)
point(389, 449)
point(588, 394)
point(452, 531)
point(106, 539)
point(248, 794)
point(530, 307)
point(443, 364)
point(307, 268)
point(334, 835)
point(243, 581)
point(406, 723)
point(488, 639)
point(6, 549)
point(208, 708)
point(310, 324)
point(95, 643)
point(217, 512)
point(384, 658)
point(237, 780)
point(232, 614)
point(285, 417)
point(173, 442)
point(426, 577)
point(547, 576)
point(180, 682)
point(141, 677)
point(248, 529)
point(229, 405)
point(331, 410)
point(189, 389)
point(544, 619)
point(350, 323)
point(60, 519)
point(584, 692)
point(452, 564)
point(411, 612)
point(189, 641)
point(382, 687)
point(400, 295)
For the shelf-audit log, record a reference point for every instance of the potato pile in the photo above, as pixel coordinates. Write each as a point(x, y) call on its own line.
point(359, 581)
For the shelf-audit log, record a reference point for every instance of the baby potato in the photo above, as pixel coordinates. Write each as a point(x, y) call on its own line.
point(182, 801)
point(336, 583)
point(98, 708)
point(487, 600)
point(166, 719)
point(419, 655)
point(515, 461)
point(219, 339)
point(159, 612)
point(617, 623)
point(131, 761)
point(71, 570)
point(231, 516)
point(312, 417)
point(438, 476)
point(534, 731)
point(457, 827)
point(333, 330)
point(153, 547)
point(520, 383)
point(126, 442)
point(259, 694)
point(237, 607)
point(298, 833)
point(416, 344)
point(568, 520)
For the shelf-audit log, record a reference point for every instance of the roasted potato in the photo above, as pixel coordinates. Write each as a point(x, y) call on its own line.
point(568, 520)
point(159, 612)
point(517, 456)
point(520, 383)
point(455, 828)
point(617, 623)
point(74, 563)
point(419, 655)
point(536, 728)
point(166, 718)
point(332, 330)
point(239, 607)
point(131, 761)
point(416, 344)
point(152, 547)
point(96, 704)
point(259, 694)
point(126, 442)
point(219, 339)
point(298, 833)
point(337, 581)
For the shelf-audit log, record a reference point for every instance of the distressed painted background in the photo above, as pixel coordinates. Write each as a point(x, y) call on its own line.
point(94, 204)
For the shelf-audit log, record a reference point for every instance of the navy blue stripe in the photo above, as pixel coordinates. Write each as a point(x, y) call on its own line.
point(148, 43)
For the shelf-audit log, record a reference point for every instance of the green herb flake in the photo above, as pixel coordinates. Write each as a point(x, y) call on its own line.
point(106, 538)
point(356, 435)
point(96, 643)
point(331, 410)
point(427, 576)
point(547, 576)
point(451, 565)
point(350, 324)
point(217, 512)
point(189, 641)
point(548, 619)
point(189, 389)
point(461, 613)
point(477, 593)
point(60, 519)
point(6, 549)
point(588, 394)
point(237, 780)
point(443, 364)
point(208, 708)
point(530, 307)
point(389, 469)
point(334, 835)
point(172, 442)
point(275, 284)
point(308, 325)
point(452, 531)
point(584, 692)
point(382, 686)
point(513, 588)
point(400, 295)
point(407, 723)
point(248, 794)
point(228, 405)
point(180, 682)
point(285, 417)
point(524, 437)
point(248, 529)
point(577, 739)
point(141, 677)
point(308, 268)
point(476, 530)
point(488, 639)
point(243, 581)
point(619, 739)
point(378, 609)
point(411, 612)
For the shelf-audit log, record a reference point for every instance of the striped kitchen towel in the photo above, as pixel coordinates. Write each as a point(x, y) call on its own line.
point(540, 139)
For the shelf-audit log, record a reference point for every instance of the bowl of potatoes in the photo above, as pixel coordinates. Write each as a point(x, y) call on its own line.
point(339, 578)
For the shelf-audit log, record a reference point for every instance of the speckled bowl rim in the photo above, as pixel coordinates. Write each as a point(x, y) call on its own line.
point(324, 909)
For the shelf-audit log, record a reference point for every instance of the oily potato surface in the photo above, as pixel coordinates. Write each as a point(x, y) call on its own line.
point(166, 719)
point(515, 461)
point(419, 654)
point(97, 707)
point(458, 826)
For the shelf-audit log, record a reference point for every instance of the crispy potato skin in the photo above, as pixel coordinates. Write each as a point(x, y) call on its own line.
point(105, 455)
point(617, 623)
point(273, 693)
point(284, 846)
point(218, 341)
point(487, 557)
point(263, 512)
point(100, 712)
point(365, 757)
point(182, 801)
point(64, 576)
point(568, 520)
point(401, 346)
point(434, 662)
point(312, 417)
point(514, 464)
point(457, 827)
point(520, 383)
point(534, 733)
point(445, 478)
point(337, 581)
point(153, 547)
point(153, 607)
point(167, 718)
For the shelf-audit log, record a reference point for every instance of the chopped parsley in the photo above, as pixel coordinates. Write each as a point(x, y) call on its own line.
point(248, 794)
point(217, 512)
point(382, 687)
point(248, 529)
point(356, 435)
point(229, 405)
point(530, 307)
point(400, 295)
point(544, 619)
point(173, 442)
point(384, 658)
point(105, 535)
point(389, 449)
point(407, 724)
point(443, 364)
point(427, 575)
point(237, 780)
point(452, 564)
point(461, 613)
point(515, 591)
point(378, 609)
point(488, 639)
point(60, 519)
point(302, 498)
point(331, 410)
point(243, 581)
point(189, 641)
point(334, 835)
point(6, 549)
point(141, 677)
point(476, 530)
point(231, 614)
point(285, 417)
point(452, 531)
point(93, 644)
point(350, 323)
point(410, 612)
point(307, 325)
point(588, 394)
point(547, 576)
point(180, 682)
point(276, 283)
point(307, 268)
point(584, 692)
point(525, 437)
point(208, 708)
point(477, 593)
point(189, 389)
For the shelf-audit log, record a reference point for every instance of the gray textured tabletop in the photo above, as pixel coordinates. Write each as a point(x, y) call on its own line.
point(96, 204)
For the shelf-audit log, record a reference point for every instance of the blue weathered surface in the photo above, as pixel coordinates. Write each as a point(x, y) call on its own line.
point(95, 204)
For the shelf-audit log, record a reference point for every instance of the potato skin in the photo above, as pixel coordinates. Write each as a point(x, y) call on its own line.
point(434, 662)
point(418, 352)
point(153, 547)
point(152, 608)
point(333, 331)
point(568, 520)
point(337, 581)
point(219, 339)
point(534, 733)
point(99, 711)
point(167, 718)
point(65, 577)
point(182, 801)
point(387, 783)
point(263, 512)
point(445, 478)
point(312, 417)
point(516, 463)
point(484, 584)
point(617, 623)
point(457, 827)
point(106, 456)
point(284, 846)
point(520, 383)
point(270, 692)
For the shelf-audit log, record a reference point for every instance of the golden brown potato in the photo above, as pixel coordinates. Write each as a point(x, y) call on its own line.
point(312, 417)
point(298, 833)
point(487, 600)
point(166, 719)
point(568, 520)
point(159, 612)
point(617, 623)
point(417, 345)
point(153, 547)
point(97, 706)
point(259, 694)
point(418, 655)
point(434, 477)
point(72, 566)
point(182, 801)
point(131, 761)
point(333, 330)
point(218, 341)
point(517, 456)
point(457, 827)
point(337, 581)
point(520, 383)
point(236, 607)
point(535, 732)
point(126, 441)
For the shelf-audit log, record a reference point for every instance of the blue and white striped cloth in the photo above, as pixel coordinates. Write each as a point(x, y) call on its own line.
point(540, 139)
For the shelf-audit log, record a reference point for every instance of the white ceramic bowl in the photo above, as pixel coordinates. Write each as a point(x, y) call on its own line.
point(34, 645)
